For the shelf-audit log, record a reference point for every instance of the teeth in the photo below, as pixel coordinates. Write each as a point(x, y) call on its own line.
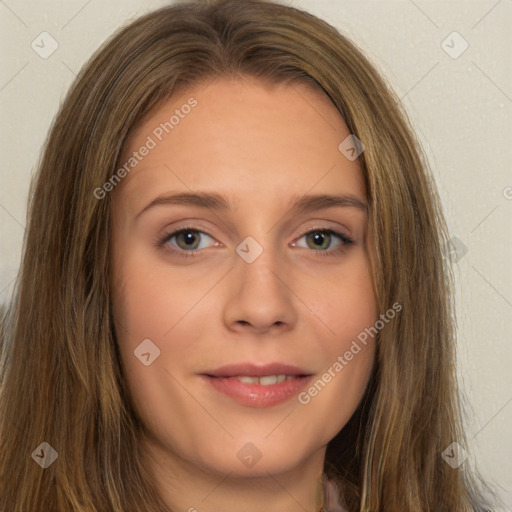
point(248, 380)
point(267, 380)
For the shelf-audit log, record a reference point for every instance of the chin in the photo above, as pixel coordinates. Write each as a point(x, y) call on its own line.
point(251, 458)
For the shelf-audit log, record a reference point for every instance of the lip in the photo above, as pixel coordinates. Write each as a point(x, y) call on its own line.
point(224, 381)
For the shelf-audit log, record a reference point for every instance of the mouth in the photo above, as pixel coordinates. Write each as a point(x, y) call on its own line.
point(259, 386)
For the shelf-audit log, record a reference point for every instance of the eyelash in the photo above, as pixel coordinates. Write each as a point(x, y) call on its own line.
point(346, 241)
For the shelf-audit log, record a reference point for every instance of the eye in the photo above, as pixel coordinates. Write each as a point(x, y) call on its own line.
point(320, 240)
point(186, 239)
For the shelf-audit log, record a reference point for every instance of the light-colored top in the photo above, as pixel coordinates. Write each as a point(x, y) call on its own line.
point(332, 497)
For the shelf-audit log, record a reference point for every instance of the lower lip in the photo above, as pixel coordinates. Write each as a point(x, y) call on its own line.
point(256, 395)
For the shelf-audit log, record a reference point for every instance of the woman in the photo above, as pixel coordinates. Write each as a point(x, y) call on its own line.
point(260, 372)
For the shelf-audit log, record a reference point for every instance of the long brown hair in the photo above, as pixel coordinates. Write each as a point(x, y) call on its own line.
point(61, 377)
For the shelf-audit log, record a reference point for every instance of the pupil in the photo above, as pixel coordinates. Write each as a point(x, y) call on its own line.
point(318, 237)
point(189, 237)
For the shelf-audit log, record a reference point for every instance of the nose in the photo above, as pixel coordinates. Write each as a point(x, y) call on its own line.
point(260, 295)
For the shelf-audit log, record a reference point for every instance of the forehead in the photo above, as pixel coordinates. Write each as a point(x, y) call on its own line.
point(241, 136)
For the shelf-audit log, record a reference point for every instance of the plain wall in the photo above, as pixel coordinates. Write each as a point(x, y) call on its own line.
point(460, 105)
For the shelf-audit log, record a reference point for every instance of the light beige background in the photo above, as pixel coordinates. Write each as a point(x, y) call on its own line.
point(460, 106)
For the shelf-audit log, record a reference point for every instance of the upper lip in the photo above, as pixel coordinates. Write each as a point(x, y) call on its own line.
point(256, 370)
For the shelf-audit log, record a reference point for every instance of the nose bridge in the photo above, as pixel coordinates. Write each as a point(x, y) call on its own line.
point(260, 296)
point(261, 260)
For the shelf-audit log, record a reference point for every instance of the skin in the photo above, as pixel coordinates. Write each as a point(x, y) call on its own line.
point(262, 146)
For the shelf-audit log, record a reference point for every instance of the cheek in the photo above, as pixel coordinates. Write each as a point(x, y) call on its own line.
point(145, 307)
point(347, 306)
point(149, 300)
point(345, 302)
point(150, 309)
point(160, 311)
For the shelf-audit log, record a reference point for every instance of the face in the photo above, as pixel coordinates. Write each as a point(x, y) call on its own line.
point(245, 276)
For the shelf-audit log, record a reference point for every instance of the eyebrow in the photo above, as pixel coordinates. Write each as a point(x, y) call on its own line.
point(214, 201)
